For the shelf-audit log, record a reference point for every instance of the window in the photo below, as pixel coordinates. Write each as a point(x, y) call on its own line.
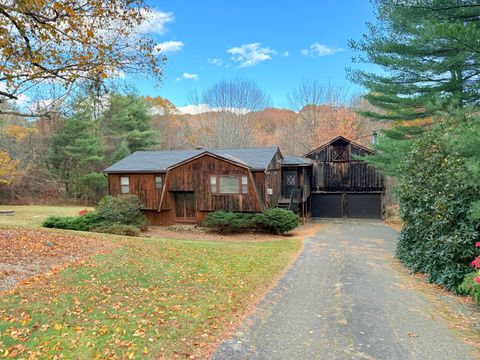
point(244, 185)
point(213, 184)
point(158, 183)
point(224, 184)
point(124, 184)
point(228, 185)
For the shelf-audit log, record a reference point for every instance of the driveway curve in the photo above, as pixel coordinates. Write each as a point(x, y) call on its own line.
point(347, 298)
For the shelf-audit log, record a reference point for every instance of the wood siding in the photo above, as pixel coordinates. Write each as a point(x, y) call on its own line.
point(326, 154)
point(348, 176)
point(142, 185)
point(351, 174)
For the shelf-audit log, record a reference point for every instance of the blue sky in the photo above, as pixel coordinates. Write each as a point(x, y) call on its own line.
point(274, 43)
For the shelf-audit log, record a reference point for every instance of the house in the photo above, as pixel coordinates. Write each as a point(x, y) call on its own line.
point(184, 186)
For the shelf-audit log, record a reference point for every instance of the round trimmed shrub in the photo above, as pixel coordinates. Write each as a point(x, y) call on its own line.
point(122, 209)
point(277, 221)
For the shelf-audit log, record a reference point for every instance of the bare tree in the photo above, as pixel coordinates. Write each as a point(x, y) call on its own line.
point(228, 111)
point(323, 112)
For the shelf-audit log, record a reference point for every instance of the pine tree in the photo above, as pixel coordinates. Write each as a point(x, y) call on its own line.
point(76, 151)
point(429, 53)
point(127, 119)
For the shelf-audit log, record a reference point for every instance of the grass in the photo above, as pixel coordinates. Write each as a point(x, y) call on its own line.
point(32, 216)
point(149, 298)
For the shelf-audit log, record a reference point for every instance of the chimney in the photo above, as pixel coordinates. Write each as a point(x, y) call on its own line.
point(374, 137)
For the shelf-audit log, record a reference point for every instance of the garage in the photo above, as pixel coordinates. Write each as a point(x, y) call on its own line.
point(326, 205)
point(347, 205)
point(364, 206)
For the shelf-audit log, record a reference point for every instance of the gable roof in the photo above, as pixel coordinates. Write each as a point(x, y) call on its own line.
point(224, 157)
point(336, 139)
point(256, 159)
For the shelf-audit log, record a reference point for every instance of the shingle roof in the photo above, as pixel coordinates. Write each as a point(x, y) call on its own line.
point(160, 161)
point(295, 160)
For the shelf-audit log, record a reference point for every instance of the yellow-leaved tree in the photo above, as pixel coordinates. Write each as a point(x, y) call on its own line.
point(8, 167)
point(69, 41)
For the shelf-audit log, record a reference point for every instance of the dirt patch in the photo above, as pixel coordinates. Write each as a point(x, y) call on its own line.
point(25, 253)
point(193, 232)
point(396, 225)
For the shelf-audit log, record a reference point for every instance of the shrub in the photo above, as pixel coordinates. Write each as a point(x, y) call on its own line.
point(471, 283)
point(229, 222)
point(81, 223)
point(435, 196)
point(117, 229)
point(277, 221)
point(122, 209)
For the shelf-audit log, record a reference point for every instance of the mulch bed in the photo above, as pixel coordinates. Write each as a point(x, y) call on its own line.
point(25, 253)
point(192, 232)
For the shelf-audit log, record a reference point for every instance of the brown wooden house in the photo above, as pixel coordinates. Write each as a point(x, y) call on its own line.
point(342, 185)
point(183, 186)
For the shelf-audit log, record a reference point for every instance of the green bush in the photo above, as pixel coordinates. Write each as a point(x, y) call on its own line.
point(122, 209)
point(117, 229)
point(435, 194)
point(81, 223)
point(116, 215)
point(230, 222)
point(471, 285)
point(277, 221)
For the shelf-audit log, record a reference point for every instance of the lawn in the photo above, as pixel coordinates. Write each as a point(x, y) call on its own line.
point(33, 216)
point(147, 298)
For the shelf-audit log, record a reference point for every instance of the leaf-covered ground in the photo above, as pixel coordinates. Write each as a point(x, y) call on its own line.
point(147, 298)
point(24, 252)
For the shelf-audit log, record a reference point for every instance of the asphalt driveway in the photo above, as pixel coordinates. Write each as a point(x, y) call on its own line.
point(347, 298)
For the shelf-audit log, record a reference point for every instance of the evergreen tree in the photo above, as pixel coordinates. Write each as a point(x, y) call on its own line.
point(76, 152)
point(429, 53)
point(127, 120)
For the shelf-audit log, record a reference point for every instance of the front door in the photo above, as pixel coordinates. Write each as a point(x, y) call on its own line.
point(184, 206)
point(290, 182)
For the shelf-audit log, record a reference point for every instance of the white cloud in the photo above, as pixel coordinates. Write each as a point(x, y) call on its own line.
point(155, 21)
point(286, 53)
point(317, 49)
point(169, 46)
point(215, 61)
point(203, 108)
point(188, 76)
point(250, 54)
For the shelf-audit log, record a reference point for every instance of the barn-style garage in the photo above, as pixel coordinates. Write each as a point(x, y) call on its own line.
point(342, 185)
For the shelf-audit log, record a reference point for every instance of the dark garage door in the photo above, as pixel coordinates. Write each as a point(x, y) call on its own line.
point(326, 205)
point(364, 206)
point(358, 206)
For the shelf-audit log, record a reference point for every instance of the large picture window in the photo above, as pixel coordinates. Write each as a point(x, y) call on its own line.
point(124, 184)
point(228, 184)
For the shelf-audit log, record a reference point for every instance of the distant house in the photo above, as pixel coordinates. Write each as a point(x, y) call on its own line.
point(184, 186)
